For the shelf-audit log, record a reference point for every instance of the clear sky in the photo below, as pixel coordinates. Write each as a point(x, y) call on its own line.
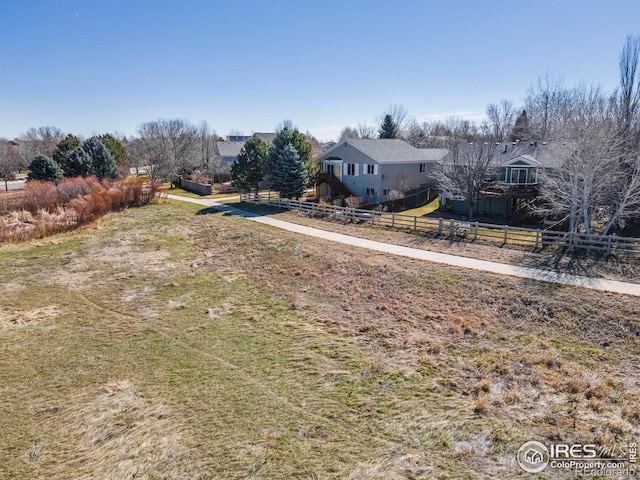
point(92, 66)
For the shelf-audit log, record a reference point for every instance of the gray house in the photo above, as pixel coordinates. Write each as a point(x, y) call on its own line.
point(228, 151)
point(375, 169)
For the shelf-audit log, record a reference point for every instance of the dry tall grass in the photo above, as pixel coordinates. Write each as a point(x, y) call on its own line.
point(45, 208)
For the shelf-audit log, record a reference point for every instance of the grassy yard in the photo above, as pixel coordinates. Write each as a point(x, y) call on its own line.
point(423, 210)
point(166, 344)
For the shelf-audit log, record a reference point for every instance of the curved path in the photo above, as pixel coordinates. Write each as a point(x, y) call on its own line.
point(443, 258)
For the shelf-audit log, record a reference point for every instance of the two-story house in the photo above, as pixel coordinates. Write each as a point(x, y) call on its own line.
point(514, 179)
point(375, 169)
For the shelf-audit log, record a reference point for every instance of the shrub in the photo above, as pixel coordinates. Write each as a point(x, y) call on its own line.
point(44, 169)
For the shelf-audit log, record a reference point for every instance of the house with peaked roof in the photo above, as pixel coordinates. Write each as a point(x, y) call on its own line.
point(228, 151)
point(513, 182)
point(374, 169)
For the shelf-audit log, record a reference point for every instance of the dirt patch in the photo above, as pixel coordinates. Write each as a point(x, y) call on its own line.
point(26, 318)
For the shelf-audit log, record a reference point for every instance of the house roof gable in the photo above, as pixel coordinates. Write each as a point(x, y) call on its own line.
point(229, 149)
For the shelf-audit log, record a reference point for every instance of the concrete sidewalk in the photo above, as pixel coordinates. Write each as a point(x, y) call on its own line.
point(436, 257)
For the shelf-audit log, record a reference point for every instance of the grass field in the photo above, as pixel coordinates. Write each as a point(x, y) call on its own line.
point(166, 344)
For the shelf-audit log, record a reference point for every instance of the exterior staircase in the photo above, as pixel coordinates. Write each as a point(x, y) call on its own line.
point(336, 185)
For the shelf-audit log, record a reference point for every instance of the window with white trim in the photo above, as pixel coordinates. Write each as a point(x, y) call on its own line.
point(423, 167)
point(385, 192)
point(372, 169)
point(370, 191)
point(352, 169)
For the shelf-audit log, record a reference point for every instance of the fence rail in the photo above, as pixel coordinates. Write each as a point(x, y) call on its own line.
point(450, 228)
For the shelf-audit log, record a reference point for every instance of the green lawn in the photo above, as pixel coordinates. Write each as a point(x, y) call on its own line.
point(423, 210)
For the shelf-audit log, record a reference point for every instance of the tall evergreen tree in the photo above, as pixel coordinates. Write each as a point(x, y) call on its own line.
point(115, 147)
point(289, 136)
point(248, 170)
point(78, 164)
point(64, 148)
point(521, 129)
point(102, 162)
point(289, 175)
point(45, 169)
point(388, 129)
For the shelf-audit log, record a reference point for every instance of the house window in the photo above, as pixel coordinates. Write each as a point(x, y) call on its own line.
point(385, 192)
point(372, 169)
point(423, 167)
point(370, 191)
point(352, 169)
point(518, 175)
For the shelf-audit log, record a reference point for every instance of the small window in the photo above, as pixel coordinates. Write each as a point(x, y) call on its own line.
point(351, 168)
point(371, 169)
point(385, 192)
point(370, 191)
point(423, 167)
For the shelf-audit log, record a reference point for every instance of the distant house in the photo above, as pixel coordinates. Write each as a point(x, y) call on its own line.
point(228, 151)
point(266, 137)
point(514, 180)
point(375, 169)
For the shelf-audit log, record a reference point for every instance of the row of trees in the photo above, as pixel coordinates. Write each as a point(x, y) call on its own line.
point(285, 166)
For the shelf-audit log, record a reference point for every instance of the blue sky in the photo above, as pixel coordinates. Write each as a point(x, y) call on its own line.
point(104, 66)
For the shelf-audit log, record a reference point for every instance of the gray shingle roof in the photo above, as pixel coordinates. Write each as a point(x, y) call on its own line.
point(229, 149)
point(265, 136)
point(396, 151)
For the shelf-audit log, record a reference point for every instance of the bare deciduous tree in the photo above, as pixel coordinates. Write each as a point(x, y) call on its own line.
point(168, 147)
point(463, 170)
point(9, 161)
point(501, 119)
point(591, 187)
point(628, 95)
point(39, 141)
point(545, 103)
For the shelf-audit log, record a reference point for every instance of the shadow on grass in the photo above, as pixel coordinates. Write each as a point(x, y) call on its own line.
point(583, 263)
point(244, 210)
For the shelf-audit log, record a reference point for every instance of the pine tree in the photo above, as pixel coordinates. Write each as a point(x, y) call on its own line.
point(78, 164)
point(64, 148)
point(388, 129)
point(248, 170)
point(102, 162)
point(115, 147)
point(45, 169)
point(521, 129)
point(289, 174)
point(288, 136)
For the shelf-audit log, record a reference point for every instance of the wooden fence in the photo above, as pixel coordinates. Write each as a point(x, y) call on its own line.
point(450, 228)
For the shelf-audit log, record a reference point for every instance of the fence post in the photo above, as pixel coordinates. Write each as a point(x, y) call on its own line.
point(506, 232)
point(440, 226)
point(475, 233)
point(393, 219)
point(415, 223)
point(537, 240)
point(269, 198)
point(279, 202)
point(451, 228)
point(608, 245)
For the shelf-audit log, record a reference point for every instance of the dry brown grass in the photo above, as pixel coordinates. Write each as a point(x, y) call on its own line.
point(209, 346)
